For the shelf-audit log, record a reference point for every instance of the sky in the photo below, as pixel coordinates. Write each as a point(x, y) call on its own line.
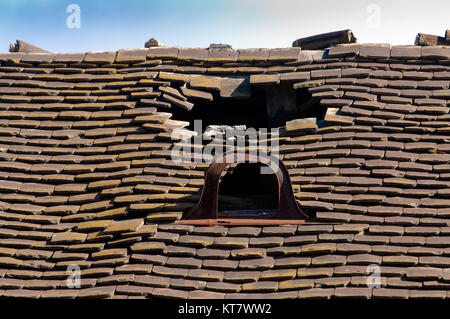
point(105, 25)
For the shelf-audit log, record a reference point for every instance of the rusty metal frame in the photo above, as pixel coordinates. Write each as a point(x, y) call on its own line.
point(207, 207)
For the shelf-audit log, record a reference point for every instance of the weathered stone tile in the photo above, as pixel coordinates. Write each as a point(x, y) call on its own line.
point(436, 261)
point(170, 293)
point(260, 79)
point(247, 253)
point(332, 282)
point(317, 272)
point(223, 287)
point(22, 293)
point(348, 248)
point(133, 290)
point(427, 294)
point(328, 260)
point(290, 262)
point(348, 270)
point(257, 264)
point(125, 226)
point(170, 272)
point(424, 273)
point(100, 57)
point(192, 54)
point(241, 276)
point(281, 274)
point(322, 293)
point(220, 264)
point(266, 241)
point(253, 55)
point(152, 281)
point(202, 294)
point(299, 240)
point(97, 292)
point(353, 292)
point(244, 231)
point(296, 284)
point(260, 286)
point(109, 253)
point(68, 238)
point(131, 55)
point(405, 52)
point(172, 250)
point(210, 230)
point(60, 293)
point(363, 259)
point(231, 242)
point(184, 262)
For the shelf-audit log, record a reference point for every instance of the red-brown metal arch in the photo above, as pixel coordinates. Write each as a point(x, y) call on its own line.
point(207, 207)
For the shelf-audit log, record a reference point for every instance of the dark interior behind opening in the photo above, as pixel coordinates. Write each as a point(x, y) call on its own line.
point(251, 112)
point(308, 106)
point(226, 111)
point(243, 190)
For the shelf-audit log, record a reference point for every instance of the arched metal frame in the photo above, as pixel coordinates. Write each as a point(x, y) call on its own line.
point(207, 207)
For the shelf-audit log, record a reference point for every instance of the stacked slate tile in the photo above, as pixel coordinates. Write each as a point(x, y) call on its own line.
point(86, 176)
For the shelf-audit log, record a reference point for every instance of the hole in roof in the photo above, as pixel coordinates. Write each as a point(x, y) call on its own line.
point(308, 106)
point(226, 111)
point(245, 192)
point(266, 107)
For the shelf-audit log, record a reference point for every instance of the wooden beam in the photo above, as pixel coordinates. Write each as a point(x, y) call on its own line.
point(325, 40)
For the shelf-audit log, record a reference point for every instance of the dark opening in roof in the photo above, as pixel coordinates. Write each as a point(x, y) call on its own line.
point(309, 106)
point(225, 111)
point(245, 192)
point(266, 107)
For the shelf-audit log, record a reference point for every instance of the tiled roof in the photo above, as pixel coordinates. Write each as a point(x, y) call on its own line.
point(86, 176)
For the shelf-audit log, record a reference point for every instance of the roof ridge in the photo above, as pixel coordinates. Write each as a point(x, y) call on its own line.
point(130, 55)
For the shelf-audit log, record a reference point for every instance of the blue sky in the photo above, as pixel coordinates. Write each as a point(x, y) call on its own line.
point(116, 24)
